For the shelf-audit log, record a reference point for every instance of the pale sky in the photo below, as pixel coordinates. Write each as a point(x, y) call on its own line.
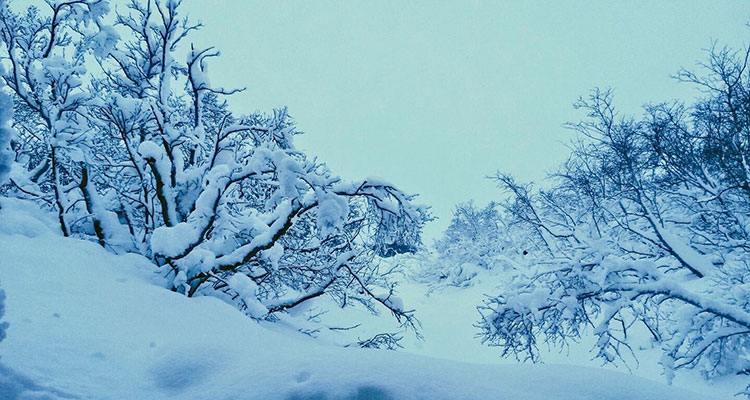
point(436, 95)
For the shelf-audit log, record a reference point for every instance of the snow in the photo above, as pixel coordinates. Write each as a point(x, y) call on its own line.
point(697, 262)
point(105, 41)
point(3, 325)
point(448, 317)
point(161, 165)
point(86, 323)
point(169, 241)
point(248, 291)
point(6, 132)
point(332, 212)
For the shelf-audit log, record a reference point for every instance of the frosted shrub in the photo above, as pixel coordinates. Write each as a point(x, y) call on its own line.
point(123, 136)
point(477, 242)
point(644, 228)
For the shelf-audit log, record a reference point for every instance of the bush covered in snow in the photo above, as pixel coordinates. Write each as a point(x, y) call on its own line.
point(475, 235)
point(124, 137)
point(477, 242)
point(6, 132)
point(646, 227)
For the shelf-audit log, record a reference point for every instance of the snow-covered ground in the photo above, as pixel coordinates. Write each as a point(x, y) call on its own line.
point(448, 320)
point(448, 316)
point(85, 323)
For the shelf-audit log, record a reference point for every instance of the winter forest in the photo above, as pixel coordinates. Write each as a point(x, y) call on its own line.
point(155, 242)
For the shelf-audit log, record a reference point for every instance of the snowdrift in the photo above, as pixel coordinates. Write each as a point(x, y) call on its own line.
point(89, 324)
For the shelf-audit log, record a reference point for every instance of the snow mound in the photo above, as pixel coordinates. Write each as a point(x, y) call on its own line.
point(88, 324)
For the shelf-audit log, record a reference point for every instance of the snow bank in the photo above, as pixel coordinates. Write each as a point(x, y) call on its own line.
point(85, 323)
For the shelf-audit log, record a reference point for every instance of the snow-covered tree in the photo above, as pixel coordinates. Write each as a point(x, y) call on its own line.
point(644, 228)
point(6, 160)
point(6, 132)
point(476, 241)
point(475, 235)
point(123, 135)
point(45, 59)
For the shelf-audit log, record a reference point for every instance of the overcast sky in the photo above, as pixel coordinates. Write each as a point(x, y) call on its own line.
point(435, 95)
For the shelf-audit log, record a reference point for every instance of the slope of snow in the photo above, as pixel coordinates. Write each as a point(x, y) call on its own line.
point(88, 324)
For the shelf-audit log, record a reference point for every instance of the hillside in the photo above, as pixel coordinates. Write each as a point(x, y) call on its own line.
point(85, 323)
